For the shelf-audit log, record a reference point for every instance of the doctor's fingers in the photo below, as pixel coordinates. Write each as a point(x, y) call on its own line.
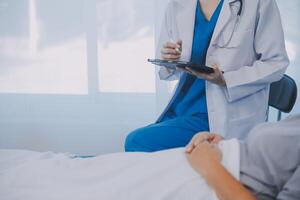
point(216, 77)
point(172, 45)
point(170, 57)
point(170, 51)
point(204, 76)
point(217, 70)
point(215, 65)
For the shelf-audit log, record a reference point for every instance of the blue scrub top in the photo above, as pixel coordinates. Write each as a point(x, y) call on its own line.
point(190, 99)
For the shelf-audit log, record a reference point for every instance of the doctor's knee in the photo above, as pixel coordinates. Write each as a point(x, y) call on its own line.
point(130, 143)
point(133, 142)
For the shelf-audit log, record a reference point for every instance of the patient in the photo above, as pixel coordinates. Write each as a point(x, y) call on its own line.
point(269, 163)
point(264, 166)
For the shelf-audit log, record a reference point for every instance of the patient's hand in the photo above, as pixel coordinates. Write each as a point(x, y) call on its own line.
point(204, 156)
point(206, 160)
point(202, 137)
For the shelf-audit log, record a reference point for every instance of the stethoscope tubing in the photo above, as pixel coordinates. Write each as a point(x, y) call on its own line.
point(241, 8)
point(236, 23)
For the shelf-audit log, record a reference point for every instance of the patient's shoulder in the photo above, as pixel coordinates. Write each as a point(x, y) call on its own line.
point(276, 142)
point(273, 131)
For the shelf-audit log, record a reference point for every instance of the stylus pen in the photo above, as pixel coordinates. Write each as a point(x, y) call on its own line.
point(178, 50)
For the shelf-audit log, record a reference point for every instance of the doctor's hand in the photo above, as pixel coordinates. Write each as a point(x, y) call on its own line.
point(204, 157)
point(216, 77)
point(203, 137)
point(171, 51)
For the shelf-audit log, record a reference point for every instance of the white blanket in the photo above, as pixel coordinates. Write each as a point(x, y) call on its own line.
point(165, 175)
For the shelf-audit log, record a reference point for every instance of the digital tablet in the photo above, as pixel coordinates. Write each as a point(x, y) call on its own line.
point(182, 65)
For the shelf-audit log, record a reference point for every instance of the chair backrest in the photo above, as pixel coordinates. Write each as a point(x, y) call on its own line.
point(283, 94)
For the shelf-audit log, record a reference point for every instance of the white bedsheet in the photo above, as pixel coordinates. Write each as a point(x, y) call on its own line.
point(166, 175)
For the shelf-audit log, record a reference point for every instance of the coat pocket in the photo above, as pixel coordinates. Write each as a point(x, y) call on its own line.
point(233, 39)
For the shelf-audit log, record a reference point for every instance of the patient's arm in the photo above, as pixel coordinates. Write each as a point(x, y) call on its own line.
point(206, 160)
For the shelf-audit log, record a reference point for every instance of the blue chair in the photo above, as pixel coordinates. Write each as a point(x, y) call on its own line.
point(283, 95)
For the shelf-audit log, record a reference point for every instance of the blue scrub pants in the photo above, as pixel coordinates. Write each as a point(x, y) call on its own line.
point(171, 133)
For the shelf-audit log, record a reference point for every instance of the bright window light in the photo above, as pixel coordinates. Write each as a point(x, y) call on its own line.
point(42, 49)
point(125, 42)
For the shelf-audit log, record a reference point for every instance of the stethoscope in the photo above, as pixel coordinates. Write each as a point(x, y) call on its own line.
point(239, 13)
point(241, 8)
point(173, 35)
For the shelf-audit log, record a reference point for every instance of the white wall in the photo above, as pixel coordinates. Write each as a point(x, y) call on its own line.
point(76, 124)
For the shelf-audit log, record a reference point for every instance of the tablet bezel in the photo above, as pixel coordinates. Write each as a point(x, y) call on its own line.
point(181, 64)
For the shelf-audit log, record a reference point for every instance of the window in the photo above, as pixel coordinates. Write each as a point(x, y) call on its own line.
point(125, 42)
point(42, 52)
point(61, 81)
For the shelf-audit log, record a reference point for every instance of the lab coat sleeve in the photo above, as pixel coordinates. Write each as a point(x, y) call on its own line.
point(164, 73)
point(272, 60)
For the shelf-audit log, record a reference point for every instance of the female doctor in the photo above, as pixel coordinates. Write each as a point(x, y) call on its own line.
point(243, 41)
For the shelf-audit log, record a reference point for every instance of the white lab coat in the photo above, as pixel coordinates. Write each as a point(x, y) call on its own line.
point(254, 58)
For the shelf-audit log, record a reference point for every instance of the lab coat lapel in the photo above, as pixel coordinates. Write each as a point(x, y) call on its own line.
point(186, 23)
point(224, 18)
